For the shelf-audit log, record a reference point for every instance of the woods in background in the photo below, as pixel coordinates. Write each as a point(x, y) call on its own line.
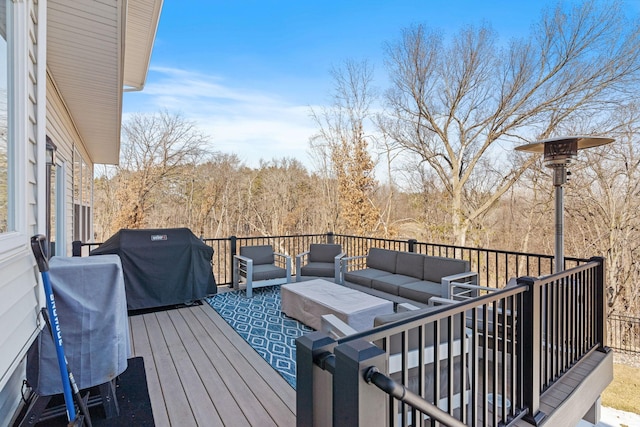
point(443, 134)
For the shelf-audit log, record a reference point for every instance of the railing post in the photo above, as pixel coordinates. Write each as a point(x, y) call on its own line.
point(313, 386)
point(531, 346)
point(355, 402)
point(601, 305)
point(232, 252)
point(330, 237)
point(76, 248)
point(412, 245)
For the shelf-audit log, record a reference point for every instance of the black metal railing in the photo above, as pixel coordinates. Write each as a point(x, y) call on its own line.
point(485, 362)
point(494, 267)
point(473, 360)
point(624, 333)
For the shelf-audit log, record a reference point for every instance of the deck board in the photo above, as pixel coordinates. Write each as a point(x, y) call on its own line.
point(201, 372)
point(224, 403)
point(140, 344)
point(177, 403)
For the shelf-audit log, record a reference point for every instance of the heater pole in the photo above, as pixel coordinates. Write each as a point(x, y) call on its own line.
point(559, 256)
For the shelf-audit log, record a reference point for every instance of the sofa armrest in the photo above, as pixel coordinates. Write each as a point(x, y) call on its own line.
point(337, 273)
point(435, 301)
point(349, 259)
point(348, 263)
point(405, 306)
point(468, 277)
point(334, 327)
point(465, 291)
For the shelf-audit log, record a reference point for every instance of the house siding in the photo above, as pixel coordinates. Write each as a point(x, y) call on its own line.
point(61, 130)
point(20, 293)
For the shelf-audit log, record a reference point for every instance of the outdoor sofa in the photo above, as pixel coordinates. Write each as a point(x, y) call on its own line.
point(404, 277)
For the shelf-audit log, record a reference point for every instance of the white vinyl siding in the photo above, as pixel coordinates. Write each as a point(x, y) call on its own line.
point(61, 130)
point(19, 288)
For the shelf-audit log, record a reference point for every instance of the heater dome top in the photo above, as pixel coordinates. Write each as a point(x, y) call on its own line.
point(563, 149)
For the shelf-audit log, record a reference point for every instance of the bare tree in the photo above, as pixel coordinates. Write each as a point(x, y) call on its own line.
point(602, 209)
point(456, 105)
point(154, 150)
point(343, 146)
point(276, 199)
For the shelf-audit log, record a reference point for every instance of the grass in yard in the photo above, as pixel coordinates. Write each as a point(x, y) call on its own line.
point(624, 392)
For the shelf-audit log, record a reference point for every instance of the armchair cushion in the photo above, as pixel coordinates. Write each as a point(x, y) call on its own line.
point(268, 271)
point(262, 254)
point(319, 269)
point(324, 252)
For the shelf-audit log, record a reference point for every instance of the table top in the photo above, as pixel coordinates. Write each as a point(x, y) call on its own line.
point(334, 295)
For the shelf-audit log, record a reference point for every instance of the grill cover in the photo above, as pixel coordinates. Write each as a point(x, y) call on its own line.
point(162, 266)
point(92, 309)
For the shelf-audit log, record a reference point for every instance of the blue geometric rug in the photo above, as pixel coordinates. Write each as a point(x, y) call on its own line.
point(261, 323)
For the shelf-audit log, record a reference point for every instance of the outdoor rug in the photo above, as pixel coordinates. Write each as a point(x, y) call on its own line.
point(132, 394)
point(261, 323)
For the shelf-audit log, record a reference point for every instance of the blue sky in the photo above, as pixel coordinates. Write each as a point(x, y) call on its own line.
point(248, 72)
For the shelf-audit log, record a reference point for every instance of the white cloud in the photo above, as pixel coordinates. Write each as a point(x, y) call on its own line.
point(250, 123)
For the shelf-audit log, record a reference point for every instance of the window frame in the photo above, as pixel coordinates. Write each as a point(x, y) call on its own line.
point(82, 197)
point(17, 90)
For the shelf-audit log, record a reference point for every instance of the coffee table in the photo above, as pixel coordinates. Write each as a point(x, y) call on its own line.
point(309, 301)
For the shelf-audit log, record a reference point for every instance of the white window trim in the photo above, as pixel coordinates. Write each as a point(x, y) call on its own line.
point(61, 221)
point(18, 97)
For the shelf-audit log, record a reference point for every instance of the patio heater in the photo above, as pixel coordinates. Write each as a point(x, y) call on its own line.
point(558, 153)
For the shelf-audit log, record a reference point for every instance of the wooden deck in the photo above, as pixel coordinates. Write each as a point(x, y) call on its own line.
point(201, 372)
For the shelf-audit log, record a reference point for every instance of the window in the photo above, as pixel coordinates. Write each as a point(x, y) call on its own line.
point(5, 153)
point(82, 195)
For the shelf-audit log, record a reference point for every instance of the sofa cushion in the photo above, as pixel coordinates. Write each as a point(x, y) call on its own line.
point(268, 271)
point(410, 264)
point(390, 283)
point(321, 252)
point(420, 291)
point(383, 319)
point(435, 268)
point(384, 295)
point(382, 259)
point(364, 277)
point(395, 346)
point(262, 254)
point(321, 269)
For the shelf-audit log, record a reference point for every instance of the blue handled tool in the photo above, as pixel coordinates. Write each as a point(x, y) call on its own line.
point(37, 246)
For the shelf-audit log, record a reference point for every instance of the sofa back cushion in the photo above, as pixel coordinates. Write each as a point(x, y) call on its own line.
point(382, 259)
point(435, 268)
point(262, 254)
point(410, 264)
point(396, 340)
point(319, 252)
